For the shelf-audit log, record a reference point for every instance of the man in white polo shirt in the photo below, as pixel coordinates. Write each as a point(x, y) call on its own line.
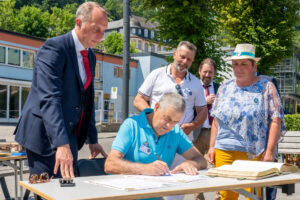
point(176, 78)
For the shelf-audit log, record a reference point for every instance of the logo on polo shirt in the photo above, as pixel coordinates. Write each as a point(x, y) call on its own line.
point(145, 148)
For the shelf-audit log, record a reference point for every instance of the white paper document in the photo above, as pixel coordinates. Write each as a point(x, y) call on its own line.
point(141, 182)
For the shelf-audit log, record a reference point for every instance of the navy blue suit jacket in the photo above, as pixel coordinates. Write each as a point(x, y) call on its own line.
point(53, 107)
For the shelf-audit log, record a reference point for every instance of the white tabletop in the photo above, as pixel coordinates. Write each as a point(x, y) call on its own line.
point(82, 190)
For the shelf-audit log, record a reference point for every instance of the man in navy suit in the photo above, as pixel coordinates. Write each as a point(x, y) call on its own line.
point(59, 115)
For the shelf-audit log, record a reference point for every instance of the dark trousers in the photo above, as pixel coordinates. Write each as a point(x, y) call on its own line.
point(39, 164)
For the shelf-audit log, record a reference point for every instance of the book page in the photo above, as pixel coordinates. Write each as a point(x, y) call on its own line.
point(128, 184)
point(178, 177)
point(244, 168)
point(248, 172)
point(259, 164)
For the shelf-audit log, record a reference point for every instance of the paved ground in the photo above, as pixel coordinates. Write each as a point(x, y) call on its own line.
point(6, 132)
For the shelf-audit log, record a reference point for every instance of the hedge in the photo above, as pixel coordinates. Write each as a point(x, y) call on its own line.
point(292, 122)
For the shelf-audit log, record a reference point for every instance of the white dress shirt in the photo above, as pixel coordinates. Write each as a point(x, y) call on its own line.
point(211, 91)
point(79, 47)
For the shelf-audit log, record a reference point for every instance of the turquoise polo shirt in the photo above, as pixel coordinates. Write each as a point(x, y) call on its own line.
point(139, 143)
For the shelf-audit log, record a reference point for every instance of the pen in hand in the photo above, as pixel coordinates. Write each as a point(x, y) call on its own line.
point(168, 173)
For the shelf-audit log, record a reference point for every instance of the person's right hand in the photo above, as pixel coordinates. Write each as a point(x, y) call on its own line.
point(210, 98)
point(157, 168)
point(64, 159)
point(211, 155)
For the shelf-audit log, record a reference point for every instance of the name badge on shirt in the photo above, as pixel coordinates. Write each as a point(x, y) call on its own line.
point(145, 149)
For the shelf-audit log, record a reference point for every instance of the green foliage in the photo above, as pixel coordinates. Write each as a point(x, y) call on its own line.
point(193, 21)
point(113, 44)
point(36, 22)
point(7, 15)
point(115, 8)
point(138, 9)
point(61, 21)
point(32, 21)
point(292, 122)
point(268, 25)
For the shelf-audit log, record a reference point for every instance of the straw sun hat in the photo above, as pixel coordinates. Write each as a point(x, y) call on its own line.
point(244, 51)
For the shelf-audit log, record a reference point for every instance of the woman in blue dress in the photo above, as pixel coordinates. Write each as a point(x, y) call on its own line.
point(248, 116)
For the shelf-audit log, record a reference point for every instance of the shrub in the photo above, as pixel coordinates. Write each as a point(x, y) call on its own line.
point(292, 122)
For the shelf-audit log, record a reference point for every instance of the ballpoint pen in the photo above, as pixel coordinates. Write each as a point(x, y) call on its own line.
point(166, 174)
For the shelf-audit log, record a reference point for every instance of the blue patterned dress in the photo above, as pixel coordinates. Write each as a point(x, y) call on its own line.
point(244, 115)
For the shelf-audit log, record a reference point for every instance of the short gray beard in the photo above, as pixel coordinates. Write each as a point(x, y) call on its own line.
point(178, 68)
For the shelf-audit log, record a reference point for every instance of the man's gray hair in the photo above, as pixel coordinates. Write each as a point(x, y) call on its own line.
point(172, 99)
point(188, 44)
point(84, 10)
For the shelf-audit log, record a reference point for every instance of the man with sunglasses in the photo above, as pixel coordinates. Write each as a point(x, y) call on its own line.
point(176, 78)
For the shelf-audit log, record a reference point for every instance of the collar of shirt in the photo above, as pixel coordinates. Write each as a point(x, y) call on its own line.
point(211, 83)
point(144, 122)
point(168, 70)
point(78, 46)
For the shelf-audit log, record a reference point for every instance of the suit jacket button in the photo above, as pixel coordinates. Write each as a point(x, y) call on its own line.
point(71, 123)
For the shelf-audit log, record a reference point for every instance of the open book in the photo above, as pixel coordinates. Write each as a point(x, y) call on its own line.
point(251, 169)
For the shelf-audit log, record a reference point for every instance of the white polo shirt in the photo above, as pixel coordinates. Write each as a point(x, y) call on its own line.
point(211, 91)
point(160, 81)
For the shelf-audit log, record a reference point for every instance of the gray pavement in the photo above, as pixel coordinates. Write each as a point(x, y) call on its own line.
point(106, 139)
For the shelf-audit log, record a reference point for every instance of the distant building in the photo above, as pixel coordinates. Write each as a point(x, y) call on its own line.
point(17, 53)
point(141, 33)
point(287, 74)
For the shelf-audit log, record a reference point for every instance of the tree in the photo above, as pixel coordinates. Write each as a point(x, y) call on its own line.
point(32, 21)
point(268, 25)
point(113, 44)
point(193, 21)
point(115, 8)
point(61, 21)
point(137, 8)
point(7, 15)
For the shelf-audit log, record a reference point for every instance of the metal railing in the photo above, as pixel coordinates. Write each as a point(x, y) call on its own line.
point(110, 116)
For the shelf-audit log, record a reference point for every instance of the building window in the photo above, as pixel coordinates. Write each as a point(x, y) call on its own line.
point(146, 33)
point(3, 101)
point(133, 42)
point(120, 72)
point(13, 56)
point(133, 31)
point(140, 44)
point(14, 102)
point(25, 92)
point(158, 48)
point(140, 31)
point(98, 71)
point(146, 47)
point(116, 71)
point(28, 57)
point(2, 54)
point(153, 48)
point(152, 34)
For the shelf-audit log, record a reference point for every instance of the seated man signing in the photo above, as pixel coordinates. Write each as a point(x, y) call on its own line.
point(147, 143)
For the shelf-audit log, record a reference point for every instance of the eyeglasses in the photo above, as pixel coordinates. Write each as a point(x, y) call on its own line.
point(43, 178)
point(178, 88)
